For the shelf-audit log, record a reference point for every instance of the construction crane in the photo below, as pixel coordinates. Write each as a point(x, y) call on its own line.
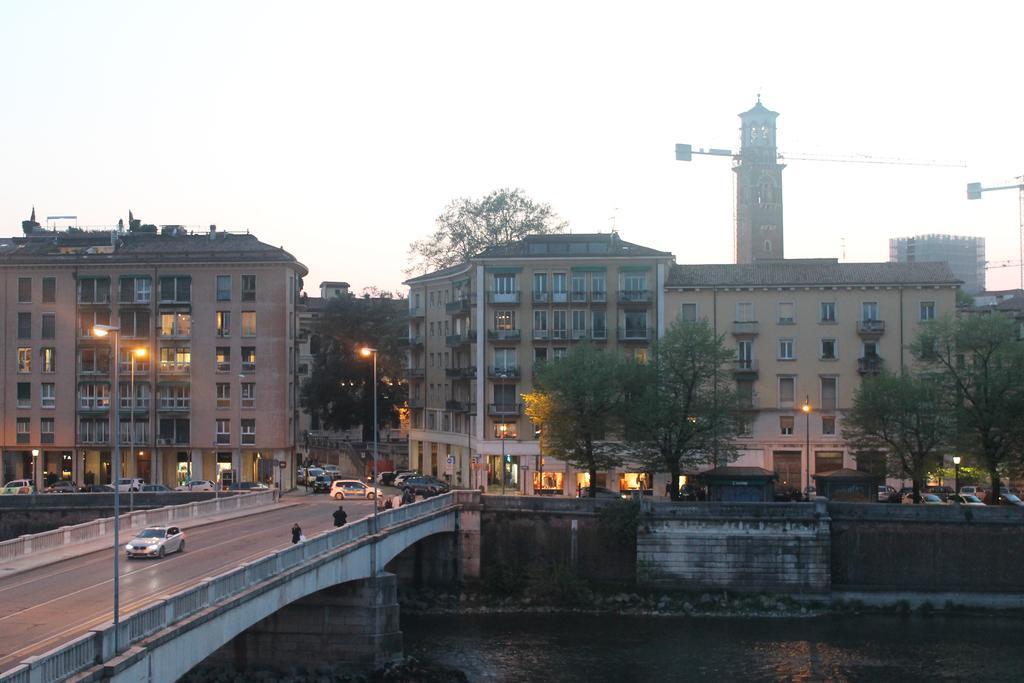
point(974, 191)
point(686, 152)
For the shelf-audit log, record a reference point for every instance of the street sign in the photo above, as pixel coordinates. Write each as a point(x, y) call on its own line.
point(476, 459)
point(451, 459)
point(282, 464)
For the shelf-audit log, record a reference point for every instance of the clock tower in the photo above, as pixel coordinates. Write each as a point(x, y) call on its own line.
point(758, 188)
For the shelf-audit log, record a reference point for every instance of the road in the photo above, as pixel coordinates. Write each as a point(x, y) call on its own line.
point(58, 602)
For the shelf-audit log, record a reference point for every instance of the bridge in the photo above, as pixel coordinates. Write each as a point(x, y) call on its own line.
point(336, 577)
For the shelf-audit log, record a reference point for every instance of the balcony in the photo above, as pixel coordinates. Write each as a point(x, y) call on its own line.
point(417, 312)
point(460, 373)
point(415, 372)
point(599, 297)
point(599, 334)
point(503, 297)
point(541, 335)
point(630, 334)
point(415, 402)
point(504, 409)
point(745, 328)
point(578, 335)
point(504, 335)
point(461, 338)
point(870, 365)
point(745, 369)
point(174, 406)
point(457, 406)
point(559, 335)
point(503, 372)
point(171, 368)
point(459, 306)
point(870, 328)
point(578, 297)
point(416, 340)
point(559, 297)
point(541, 297)
point(629, 297)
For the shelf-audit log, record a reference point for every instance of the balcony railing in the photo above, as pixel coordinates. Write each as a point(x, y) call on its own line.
point(634, 296)
point(498, 409)
point(578, 297)
point(460, 373)
point(416, 340)
point(577, 335)
point(504, 335)
point(541, 335)
point(630, 334)
point(503, 372)
point(503, 297)
point(541, 297)
point(559, 334)
point(415, 402)
point(417, 312)
point(415, 372)
point(459, 306)
point(598, 297)
point(599, 334)
point(460, 338)
point(457, 406)
point(745, 328)
point(559, 297)
point(745, 367)
point(869, 365)
point(870, 328)
point(172, 368)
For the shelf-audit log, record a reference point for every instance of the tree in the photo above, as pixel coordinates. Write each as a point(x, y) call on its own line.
point(905, 417)
point(339, 391)
point(577, 400)
point(468, 226)
point(683, 404)
point(978, 360)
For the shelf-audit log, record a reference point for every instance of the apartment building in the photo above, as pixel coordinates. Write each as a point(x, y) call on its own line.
point(965, 256)
point(805, 332)
point(214, 315)
point(477, 329)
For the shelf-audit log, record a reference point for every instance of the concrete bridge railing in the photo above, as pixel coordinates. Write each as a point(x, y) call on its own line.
point(89, 531)
point(97, 646)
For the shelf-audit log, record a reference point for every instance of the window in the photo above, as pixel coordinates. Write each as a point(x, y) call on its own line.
point(174, 430)
point(248, 395)
point(504, 287)
point(598, 287)
point(248, 432)
point(598, 325)
point(23, 430)
point(828, 349)
point(24, 326)
point(787, 313)
point(579, 324)
point(745, 312)
point(49, 290)
point(94, 290)
point(175, 396)
point(94, 396)
point(134, 324)
point(223, 431)
point(141, 364)
point(88, 320)
point(248, 287)
point(91, 430)
point(94, 360)
point(540, 324)
point(248, 323)
point(745, 394)
point(745, 355)
point(141, 431)
point(828, 311)
point(786, 425)
point(175, 324)
point(787, 390)
point(47, 396)
point(48, 359)
point(828, 393)
point(24, 359)
point(248, 359)
point(871, 351)
point(142, 396)
point(869, 310)
point(504, 320)
point(559, 326)
point(24, 394)
point(223, 288)
point(579, 287)
point(49, 329)
point(786, 351)
point(46, 430)
point(136, 290)
point(505, 361)
point(828, 425)
point(927, 310)
point(175, 359)
point(223, 395)
point(634, 286)
point(24, 290)
point(635, 324)
point(223, 323)
point(176, 289)
point(559, 289)
point(505, 397)
point(559, 352)
point(688, 313)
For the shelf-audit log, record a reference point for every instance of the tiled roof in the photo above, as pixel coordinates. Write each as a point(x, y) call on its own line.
point(577, 244)
point(451, 270)
point(810, 272)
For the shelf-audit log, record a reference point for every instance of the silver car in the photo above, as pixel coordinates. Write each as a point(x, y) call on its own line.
point(156, 541)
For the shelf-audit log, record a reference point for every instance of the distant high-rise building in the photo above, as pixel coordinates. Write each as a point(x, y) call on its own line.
point(759, 235)
point(965, 255)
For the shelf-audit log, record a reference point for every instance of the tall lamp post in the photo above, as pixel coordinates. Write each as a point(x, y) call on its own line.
point(806, 407)
point(503, 431)
point(136, 353)
point(956, 474)
point(367, 352)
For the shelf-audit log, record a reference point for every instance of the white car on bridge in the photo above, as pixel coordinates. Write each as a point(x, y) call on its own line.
point(156, 541)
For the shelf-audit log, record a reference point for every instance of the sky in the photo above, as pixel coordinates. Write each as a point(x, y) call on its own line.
point(340, 130)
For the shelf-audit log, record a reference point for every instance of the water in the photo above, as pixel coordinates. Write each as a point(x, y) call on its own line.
point(631, 648)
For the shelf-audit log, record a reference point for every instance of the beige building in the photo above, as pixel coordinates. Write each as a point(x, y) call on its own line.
point(477, 329)
point(215, 314)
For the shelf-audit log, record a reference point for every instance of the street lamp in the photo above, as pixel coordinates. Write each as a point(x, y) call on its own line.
point(503, 431)
point(35, 479)
point(135, 353)
point(366, 352)
point(956, 474)
point(806, 407)
point(103, 331)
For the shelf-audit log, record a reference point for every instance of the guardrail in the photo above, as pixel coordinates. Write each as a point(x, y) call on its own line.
point(97, 645)
point(88, 531)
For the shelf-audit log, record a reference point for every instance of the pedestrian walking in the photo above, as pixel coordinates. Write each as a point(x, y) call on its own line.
point(668, 488)
point(340, 516)
point(296, 533)
point(408, 497)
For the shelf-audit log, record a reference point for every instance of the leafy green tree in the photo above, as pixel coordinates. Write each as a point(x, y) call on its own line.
point(468, 226)
point(339, 391)
point(683, 404)
point(578, 401)
point(904, 417)
point(978, 359)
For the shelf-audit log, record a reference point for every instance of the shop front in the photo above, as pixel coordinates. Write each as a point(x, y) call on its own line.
point(636, 482)
point(503, 474)
point(583, 481)
point(547, 483)
point(17, 465)
point(96, 467)
point(57, 465)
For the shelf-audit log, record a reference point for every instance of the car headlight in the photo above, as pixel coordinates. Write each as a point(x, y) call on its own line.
point(129, 547)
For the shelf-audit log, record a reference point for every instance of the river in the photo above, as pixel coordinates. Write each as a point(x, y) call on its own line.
point(540, 647)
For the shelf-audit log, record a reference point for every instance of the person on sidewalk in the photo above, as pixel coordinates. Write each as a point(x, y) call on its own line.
point(408, 497)
point(296, 533)
point(340, 516)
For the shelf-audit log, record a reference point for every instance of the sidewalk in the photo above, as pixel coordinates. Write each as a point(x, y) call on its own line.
point(36, 560)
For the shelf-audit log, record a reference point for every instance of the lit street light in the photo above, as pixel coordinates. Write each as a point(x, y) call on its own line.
point(956, 474)
point(806, 407)
point(366, 352)
point(503, 430)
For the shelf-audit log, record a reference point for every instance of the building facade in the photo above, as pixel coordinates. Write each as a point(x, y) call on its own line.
point(965, 255)
point(213, 320)
point(759, 230)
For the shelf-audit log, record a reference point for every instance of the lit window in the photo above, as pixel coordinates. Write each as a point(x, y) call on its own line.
point(786, 425)
point(248, 323)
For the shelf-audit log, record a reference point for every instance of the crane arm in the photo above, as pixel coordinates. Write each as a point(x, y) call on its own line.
point(865, 159)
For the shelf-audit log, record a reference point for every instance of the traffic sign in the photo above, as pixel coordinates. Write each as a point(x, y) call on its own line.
point(451, 459)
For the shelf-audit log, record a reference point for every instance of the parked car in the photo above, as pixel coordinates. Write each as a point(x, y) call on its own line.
point(402, 476)
point(926, 499)
point(331, 469)
point(311, 474)
point(388, 478)
point(17, 486)
point(248, 486)
point(155, 488)
point(424, 485)
point(197, 485)
point(1011, 499)
point(972, 490)
point(599, 492)
point(61, 486)
point(353, 488)
point(156, 541)
point(962, 499)
point(130, 484)
point(97, 488)
point(322, 484)
point(885, 493)
point(943, 492)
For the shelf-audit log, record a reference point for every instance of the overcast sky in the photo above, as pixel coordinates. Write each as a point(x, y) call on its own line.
point(341, 130)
